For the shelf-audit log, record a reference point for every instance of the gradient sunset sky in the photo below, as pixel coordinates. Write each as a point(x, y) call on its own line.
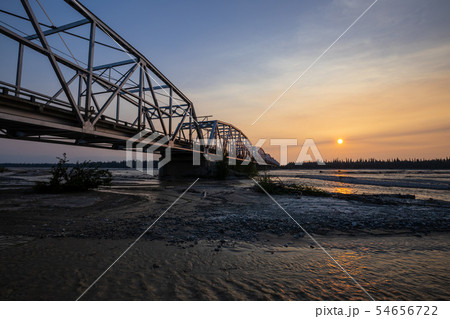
point(384, 87)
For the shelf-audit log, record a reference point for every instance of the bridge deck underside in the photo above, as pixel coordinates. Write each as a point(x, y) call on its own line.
point(28, 120)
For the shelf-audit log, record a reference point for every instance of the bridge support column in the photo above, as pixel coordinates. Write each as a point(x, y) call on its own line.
point(181, 166)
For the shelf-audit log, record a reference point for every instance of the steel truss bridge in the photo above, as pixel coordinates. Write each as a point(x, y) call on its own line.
point(103, 93)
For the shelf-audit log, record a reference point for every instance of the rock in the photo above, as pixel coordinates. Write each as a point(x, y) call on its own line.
point(155, 266)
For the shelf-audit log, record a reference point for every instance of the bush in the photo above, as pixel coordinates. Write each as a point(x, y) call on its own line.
point(81, 177)
point(268, 184)
point(273, 186)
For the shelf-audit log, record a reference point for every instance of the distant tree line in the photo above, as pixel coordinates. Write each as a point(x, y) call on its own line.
point(439, 163)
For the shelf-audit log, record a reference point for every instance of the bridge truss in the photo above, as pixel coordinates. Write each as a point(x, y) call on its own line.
point(105, 91)
point(225, 138)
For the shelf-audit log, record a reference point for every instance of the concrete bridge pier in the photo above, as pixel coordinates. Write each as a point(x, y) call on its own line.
point(181, 166)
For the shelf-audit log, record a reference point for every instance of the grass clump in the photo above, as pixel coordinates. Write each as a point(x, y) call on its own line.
point(276, 187)
point(81, 177)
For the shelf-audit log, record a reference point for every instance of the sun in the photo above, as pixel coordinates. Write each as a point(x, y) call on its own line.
point(340, 141)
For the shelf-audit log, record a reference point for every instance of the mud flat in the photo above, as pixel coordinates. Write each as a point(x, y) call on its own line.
point(220, 241)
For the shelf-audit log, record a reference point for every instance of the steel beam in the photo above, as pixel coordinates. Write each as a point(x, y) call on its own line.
point(90, 70)
point(114, 64)
point(19, 69)
point(52, 59)
point(60, 29)
point(112, 96)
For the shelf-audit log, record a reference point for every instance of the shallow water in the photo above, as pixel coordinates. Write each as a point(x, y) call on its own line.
point(424, 184)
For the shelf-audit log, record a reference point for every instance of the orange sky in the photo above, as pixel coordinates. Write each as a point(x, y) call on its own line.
point(383, 107)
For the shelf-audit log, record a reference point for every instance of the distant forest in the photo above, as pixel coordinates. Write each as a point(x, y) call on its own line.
point(439, 163)
point(443, 163)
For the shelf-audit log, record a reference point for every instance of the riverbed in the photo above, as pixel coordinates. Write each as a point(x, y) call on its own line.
point(222, 240)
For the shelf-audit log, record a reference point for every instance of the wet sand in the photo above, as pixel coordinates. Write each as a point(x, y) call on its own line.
point(221, 241)
point(61, 269)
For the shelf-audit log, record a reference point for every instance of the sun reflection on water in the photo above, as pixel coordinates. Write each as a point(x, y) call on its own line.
point(343, 190)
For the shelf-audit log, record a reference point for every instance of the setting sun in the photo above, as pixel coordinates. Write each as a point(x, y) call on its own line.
point(340, 141)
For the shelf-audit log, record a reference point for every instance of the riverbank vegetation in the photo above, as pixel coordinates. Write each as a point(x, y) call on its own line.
point(275, 186)
point(77, 178)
